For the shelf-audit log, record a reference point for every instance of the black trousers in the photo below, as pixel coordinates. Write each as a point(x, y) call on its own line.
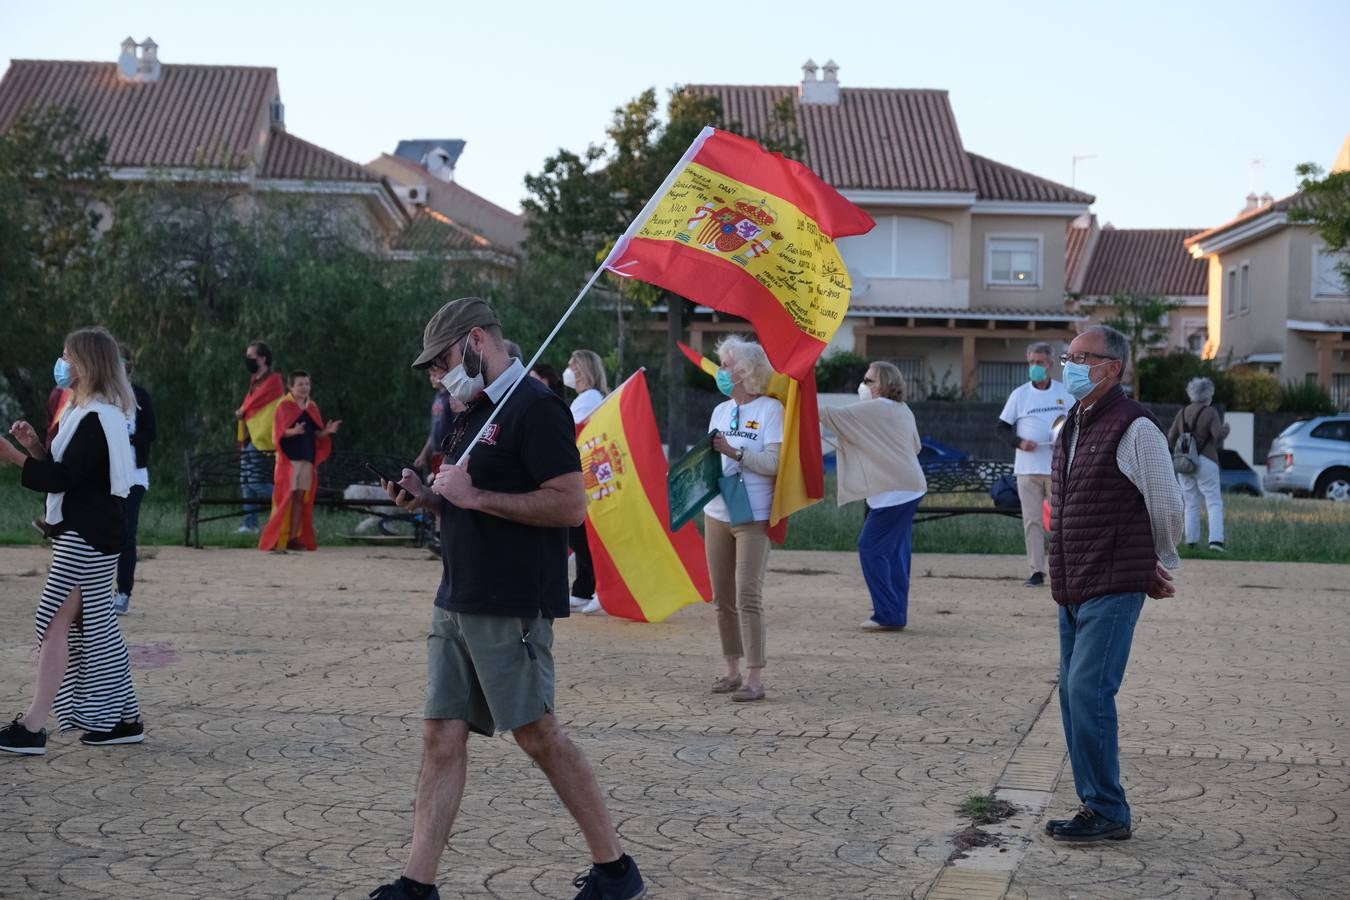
point(584, 585)
point(131, 520)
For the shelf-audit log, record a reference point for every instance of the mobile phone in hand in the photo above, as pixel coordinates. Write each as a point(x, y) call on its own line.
point(370, 467)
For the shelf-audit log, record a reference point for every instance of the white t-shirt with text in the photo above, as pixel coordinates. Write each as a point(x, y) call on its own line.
point(1032, 413)
point(757, 424)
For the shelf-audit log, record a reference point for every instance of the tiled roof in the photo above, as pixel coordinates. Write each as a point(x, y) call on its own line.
point(290, 157)
point(1144, 261)
point(942, 312)
point(1076, 251)
point(430, 231)
point(874, 139)
point(996, 181)
point(1284, 204)
point(209, 116)
point(502, 227)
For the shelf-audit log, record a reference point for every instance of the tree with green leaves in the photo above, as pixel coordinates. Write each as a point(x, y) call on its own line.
point(1142, 318)
point(1325, 205)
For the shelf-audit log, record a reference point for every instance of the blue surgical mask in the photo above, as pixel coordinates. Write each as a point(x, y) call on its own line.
point(62, 373)
point(724, 382)
point(1037, 373)
point(1078, 379)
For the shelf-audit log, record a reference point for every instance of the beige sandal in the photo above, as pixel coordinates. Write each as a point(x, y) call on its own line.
point(748, 694)
point(725, 685)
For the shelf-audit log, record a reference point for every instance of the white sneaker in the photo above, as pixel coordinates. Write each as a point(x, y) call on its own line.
point(577, 603)
point(871, 625)
point(121, 603)
point(246, 529)
point(593, 608)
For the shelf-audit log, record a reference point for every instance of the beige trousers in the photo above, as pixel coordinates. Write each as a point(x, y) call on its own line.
point(1034, 490)
point(737, 559)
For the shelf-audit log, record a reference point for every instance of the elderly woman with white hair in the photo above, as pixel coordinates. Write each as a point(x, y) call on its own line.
point(749, 435)
point(1203, 421)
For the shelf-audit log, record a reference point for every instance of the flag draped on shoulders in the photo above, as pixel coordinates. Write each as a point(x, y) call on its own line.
point(801, 469)
point(277, 534)
point(751, 233)
point(643, 571)
point(259, 412)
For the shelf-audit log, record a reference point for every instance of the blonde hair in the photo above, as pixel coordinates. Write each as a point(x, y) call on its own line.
point(890, 383)
point(592, 368)
point(97, 360)
point(748, 360)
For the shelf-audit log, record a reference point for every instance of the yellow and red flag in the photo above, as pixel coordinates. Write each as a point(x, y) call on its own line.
point(751, 233)
point(801, 468)
point(260, 408)
point(642, 570)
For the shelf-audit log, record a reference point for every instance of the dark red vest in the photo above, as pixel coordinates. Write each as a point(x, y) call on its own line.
point(1101, 540)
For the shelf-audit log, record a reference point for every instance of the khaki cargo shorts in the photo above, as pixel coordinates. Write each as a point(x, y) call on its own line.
point(494, 672)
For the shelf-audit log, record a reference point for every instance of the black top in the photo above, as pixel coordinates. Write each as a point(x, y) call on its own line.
point(441, 418)
point(89, 508)
point(145, 426)
point(301, 447)
point(492, 565)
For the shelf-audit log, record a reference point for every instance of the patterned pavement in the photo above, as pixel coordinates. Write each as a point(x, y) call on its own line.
point(281, 697)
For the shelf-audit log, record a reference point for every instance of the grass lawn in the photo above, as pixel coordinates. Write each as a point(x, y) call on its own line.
point(1266, 528)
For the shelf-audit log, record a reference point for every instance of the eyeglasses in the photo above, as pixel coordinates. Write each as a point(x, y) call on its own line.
point(735, 418)
point(1082, 357)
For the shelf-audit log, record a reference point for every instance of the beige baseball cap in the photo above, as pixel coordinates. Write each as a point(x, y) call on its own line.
point(450, 323)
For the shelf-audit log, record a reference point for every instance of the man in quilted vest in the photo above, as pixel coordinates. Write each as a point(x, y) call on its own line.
point(1117, 515)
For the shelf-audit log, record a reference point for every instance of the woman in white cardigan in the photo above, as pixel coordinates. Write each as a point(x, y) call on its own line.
point(878, 456)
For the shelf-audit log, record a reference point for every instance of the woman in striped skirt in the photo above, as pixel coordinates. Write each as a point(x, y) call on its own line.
point(83, 670)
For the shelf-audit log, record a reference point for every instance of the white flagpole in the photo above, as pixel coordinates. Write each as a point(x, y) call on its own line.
point(619, 246)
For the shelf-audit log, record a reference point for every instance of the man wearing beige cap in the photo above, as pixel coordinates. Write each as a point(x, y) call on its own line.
point(504, 521)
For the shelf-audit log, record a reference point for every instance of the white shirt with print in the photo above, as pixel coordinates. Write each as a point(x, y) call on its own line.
point(1032, 413)
point(758, 424)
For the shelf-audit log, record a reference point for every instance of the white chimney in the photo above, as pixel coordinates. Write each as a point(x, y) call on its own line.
point(821, 93)
point(142, 67)
point(1253, 202)
point(1267, 199)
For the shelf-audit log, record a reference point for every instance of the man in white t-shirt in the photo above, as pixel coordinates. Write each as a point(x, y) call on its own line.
point(1028, 423)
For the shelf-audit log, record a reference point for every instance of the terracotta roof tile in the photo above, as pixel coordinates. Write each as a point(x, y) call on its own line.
point(1076, 250)
point(1284, 204)
point(290, 157)
point(996, 181)
point(209, 116)
point(1145, 261)
point(501, 226)
point(430, 231)
point(874, 139)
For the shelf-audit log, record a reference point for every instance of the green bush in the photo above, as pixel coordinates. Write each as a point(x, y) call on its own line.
point(840, 372)
point(1254, 390)
point(1163, 378)
point(1305, 397)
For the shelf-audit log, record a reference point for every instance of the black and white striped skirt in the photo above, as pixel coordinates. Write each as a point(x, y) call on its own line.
point(96, 692)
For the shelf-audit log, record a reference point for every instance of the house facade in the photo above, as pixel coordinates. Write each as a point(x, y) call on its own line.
point(1276, 299)
point(967, 262)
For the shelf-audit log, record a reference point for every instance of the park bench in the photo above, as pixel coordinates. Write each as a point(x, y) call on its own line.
point(213, 484)
point(962, 477)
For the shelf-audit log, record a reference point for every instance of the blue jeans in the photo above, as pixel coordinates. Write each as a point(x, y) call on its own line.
point(883, 550)
point(1094, 646)
point(255, 480)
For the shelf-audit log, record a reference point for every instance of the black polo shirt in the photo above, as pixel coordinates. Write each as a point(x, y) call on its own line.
point(492, 565)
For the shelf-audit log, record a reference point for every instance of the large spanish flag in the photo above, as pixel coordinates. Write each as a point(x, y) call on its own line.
point(642, 570)
point(260, 408)
point(751, 233)
point(801, 468)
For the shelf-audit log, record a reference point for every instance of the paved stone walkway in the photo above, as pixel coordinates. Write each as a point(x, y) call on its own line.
point(281, 695)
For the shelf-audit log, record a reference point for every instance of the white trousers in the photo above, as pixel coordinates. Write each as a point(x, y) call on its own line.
point(1203, 484)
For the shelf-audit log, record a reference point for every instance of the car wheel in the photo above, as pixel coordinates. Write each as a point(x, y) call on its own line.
point(1334, 485)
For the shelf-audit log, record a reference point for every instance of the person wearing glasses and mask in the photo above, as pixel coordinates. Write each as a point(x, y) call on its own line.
point(504, 519)
point(748, 432)
point(878, 453)
point(585, 374)
point(1117, 515)
point(1026, 423)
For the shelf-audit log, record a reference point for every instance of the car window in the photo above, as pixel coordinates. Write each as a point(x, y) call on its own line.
point(1335, 430)
point(1293, 428)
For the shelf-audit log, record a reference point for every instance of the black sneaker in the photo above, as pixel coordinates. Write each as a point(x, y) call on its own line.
point(596, 885)
point(1089, 826)
point(14, 738)
point(396, 891)
point(1037, 579)
point(121, 733)
point(1216, 546)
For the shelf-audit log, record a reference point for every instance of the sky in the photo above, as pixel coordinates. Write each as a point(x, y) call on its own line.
point(1182, 107)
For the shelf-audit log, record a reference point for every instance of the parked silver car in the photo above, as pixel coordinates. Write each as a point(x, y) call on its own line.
point(1311, 457)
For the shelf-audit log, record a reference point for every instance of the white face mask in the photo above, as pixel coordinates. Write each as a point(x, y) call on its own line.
point(864, 392)
point(569, 378)
point(458, 383)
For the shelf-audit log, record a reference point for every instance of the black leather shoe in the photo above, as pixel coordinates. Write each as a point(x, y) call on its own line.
point(1037, 579)
point(1052, 825)
point(1089, 826)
